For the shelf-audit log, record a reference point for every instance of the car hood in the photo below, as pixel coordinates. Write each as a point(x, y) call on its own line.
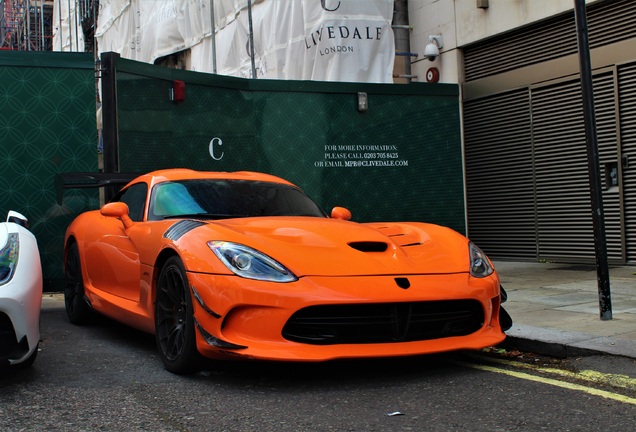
point(332, 247)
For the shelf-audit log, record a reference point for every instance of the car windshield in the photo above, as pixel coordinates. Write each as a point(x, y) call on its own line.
point(219, 199)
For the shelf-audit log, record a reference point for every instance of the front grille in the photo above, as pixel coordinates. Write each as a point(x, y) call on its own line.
point(384, 322)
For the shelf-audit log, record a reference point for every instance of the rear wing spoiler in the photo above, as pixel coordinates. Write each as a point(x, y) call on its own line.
point(78, 180)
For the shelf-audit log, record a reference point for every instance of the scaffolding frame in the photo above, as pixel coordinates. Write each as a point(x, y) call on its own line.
point(25, 25)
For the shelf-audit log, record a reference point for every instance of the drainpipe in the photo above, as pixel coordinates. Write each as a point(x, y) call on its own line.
point(251, 36)
point(59, 17)
point(213, 36)
point(402, 35)
point(76, 29)
point(70, 30)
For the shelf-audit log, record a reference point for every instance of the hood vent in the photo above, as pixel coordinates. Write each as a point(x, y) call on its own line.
point(369, 246)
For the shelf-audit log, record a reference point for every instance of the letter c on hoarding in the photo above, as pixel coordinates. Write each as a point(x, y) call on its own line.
point(216, 142)
point(324, 6)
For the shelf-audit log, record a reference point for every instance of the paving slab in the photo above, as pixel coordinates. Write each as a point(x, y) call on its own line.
point(555, 309)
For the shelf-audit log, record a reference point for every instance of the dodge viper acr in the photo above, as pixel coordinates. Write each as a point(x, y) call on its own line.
point(245, 265)
point(20, 293)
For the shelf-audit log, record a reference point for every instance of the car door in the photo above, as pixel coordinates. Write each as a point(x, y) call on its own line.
point(113, 264)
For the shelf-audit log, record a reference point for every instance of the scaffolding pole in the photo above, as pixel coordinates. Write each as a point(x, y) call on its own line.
point(26, 25)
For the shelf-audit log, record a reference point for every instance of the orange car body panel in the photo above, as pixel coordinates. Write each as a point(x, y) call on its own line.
point(253, 316)
point(120, 270)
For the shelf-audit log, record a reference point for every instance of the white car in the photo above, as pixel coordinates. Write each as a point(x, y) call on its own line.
point(20, 292)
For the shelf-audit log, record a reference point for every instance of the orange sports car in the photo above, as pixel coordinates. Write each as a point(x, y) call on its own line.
point(245, 265)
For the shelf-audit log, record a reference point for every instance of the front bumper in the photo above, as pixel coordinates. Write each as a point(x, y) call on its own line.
point(246, 318)
point(19, 320)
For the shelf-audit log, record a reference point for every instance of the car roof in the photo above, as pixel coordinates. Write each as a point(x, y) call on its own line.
point(174, 174)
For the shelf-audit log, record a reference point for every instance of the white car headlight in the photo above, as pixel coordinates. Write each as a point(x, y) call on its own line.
point(480, 265)
point(9, 257)
point(250, 263)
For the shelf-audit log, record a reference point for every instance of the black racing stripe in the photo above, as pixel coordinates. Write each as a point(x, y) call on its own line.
point(179, 229)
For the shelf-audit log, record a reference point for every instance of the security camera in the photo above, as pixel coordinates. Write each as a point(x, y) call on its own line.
point(431, 51)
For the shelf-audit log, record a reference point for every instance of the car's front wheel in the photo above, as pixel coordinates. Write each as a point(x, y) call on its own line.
point(77, 308)
point(174, 320)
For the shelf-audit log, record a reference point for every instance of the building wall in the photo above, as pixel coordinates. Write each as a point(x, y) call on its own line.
point(527, 173)
point(461, 22)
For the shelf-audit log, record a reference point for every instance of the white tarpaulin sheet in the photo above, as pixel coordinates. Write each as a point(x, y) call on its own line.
point(67, 30)
point(324, 40)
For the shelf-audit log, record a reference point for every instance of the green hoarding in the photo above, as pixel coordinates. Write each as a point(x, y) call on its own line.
point(401, 159)
point(47, 126)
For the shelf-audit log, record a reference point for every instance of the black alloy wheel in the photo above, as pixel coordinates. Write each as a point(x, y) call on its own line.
point(174, 320)
point(77, 308)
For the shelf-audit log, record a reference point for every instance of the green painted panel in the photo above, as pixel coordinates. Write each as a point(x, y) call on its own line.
point(400, 160)
point(47, 126)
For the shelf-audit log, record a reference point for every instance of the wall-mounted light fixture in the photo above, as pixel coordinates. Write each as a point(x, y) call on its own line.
point(363, 102)
point(431, 51)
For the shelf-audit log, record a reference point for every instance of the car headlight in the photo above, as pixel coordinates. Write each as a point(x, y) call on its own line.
point(480, 265)
point(9, 257)
point(250, 263)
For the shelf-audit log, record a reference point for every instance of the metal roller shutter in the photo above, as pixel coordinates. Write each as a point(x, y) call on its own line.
point(627, 98)
point(608, 21)
point(527, 179)
point(564, 219)
point(499, 175)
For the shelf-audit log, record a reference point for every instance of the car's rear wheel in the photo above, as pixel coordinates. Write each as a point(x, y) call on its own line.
point(174, 320)
point(77, 308)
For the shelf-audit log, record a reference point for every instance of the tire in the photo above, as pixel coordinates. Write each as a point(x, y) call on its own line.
point(174, 320)
point(77, 308)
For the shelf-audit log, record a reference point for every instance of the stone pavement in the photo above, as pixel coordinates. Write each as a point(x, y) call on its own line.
point(555, 309)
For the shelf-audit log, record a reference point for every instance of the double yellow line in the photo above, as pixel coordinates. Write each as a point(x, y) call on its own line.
point(621, 381)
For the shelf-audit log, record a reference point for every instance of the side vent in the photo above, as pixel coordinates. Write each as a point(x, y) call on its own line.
point(369, 246)
point(403, 282)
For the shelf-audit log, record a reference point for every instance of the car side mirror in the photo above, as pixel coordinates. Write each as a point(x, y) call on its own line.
point(17, 218)
point(117, 210)
point(340, 213)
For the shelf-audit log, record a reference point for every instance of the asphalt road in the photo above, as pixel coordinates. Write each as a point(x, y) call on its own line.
point(106, 377)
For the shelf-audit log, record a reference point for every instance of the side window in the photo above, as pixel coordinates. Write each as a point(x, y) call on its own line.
point(135, 197)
